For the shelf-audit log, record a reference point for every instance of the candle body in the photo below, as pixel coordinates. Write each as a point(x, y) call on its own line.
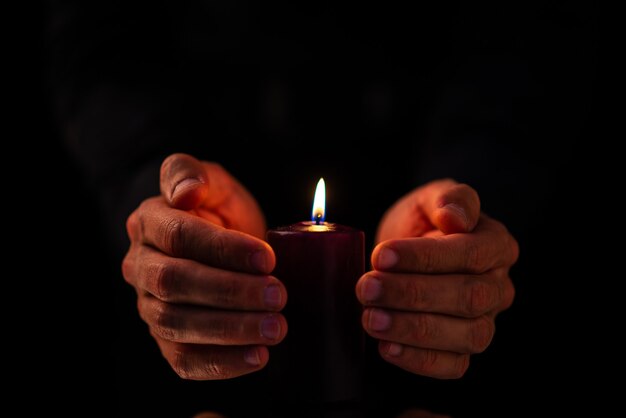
point(320, 361)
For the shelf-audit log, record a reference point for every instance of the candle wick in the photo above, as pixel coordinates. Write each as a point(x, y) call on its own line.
point(318, 218)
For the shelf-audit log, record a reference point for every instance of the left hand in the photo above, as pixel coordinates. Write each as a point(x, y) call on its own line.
point(441, 275)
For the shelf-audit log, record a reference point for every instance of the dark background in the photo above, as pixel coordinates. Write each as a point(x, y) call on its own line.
point(542, 194)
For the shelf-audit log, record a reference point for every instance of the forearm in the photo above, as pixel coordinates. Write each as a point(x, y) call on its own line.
point(115, 107)
point(119, 154)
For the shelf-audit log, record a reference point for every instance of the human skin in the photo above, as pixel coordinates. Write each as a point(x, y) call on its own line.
point(440, 276)
point(202, 274)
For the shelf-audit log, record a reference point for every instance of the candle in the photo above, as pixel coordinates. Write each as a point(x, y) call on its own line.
point(319, 362)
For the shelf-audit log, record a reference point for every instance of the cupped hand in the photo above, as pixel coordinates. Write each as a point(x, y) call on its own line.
point(441, 275)
point(201, 272)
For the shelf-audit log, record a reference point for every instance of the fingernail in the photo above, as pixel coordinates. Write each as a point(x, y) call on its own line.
point(273, 296)
point(259, 261)
point(387, 258)
point(379, 320)
point(183, 184)
point(270, 328)
point(251, 356)
point(371, 289)
point(459, 211)
point(393, 349)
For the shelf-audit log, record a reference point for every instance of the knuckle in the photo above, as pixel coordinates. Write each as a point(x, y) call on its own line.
point(213, 367)
point(167, 322)
point(431, 363)
point(187, 365)
point(142, 310)
point(226, 294)
point(132, 224)
point(365, 318)
point(173, 232)
point(478, 297)
point(218, 246)
point(127, 268)
point(429, 258)
point(427, 362)
point(184, 364)
point(140, 219)
point(417, 294)
point(181, 364)
point(162, 279)
point(425, 328)
point(508, 294)
point(481, 333)
point(508, 242)
point(474, 257)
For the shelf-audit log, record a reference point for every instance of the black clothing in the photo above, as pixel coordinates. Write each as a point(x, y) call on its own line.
point(377, 100)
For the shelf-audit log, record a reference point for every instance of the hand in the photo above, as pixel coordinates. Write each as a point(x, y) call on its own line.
point(441, 275)
point(202, 274)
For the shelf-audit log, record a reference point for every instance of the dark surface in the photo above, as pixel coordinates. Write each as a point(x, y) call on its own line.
point(503, 99)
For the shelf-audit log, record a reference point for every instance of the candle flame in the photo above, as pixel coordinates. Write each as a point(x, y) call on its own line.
point(319, 202)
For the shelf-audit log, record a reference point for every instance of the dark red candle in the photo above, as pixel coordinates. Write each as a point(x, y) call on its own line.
point(319, 363)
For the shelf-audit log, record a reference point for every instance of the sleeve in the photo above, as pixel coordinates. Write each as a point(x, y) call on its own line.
point(508, 109)
point(114, 98)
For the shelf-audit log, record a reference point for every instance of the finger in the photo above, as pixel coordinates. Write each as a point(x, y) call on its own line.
point(231, 202)
point(190, 324)
point(450, 206)
point(187, 183)
point(177, 280)
point(129, 266)
point(210, 216)
point(433, 233)
point(184, 182)
point(132, 227)
point(490, 245)
point(180, 234)
point(438, 332)
point(461, 295)
point(425, 362)
point(211, 362)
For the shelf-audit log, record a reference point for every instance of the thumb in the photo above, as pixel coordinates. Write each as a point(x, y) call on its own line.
point(184, 182)
point(451, 207)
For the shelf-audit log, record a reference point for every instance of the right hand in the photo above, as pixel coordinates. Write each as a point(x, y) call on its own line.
point(201, 271)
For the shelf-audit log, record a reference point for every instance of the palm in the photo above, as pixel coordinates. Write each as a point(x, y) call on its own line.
point(405, 219)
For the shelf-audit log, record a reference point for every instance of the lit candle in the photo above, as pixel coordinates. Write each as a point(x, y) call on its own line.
point(319, 362)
